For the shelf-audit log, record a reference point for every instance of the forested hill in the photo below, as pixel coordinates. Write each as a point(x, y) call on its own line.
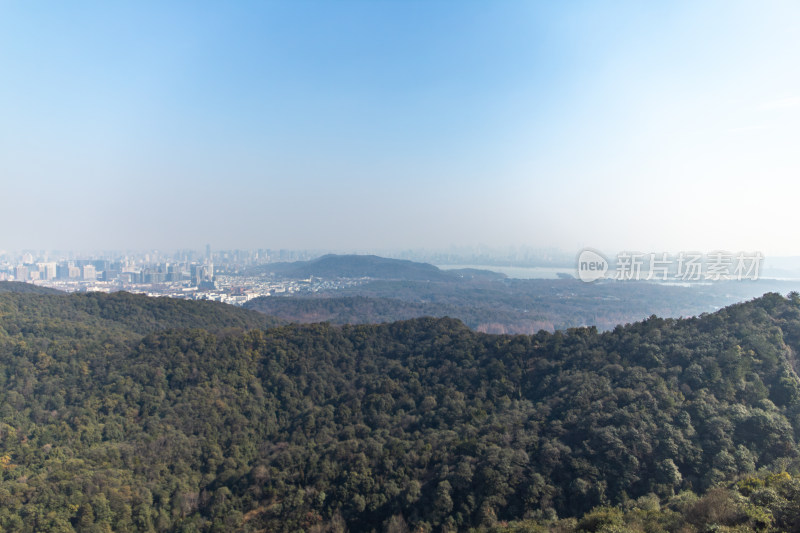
point(424, 425)
point(25, 288)
point(60, 314)
point(364, 266)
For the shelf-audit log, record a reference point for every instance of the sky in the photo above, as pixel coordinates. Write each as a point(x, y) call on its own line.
point(344, 125)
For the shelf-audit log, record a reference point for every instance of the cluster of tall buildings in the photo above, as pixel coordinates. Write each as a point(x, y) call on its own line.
point(53, 271)
point(110, 271)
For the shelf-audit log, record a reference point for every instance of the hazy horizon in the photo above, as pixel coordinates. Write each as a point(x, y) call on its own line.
point(400, 125)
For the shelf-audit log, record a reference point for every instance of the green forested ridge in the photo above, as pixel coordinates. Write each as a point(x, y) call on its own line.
point(512, 305)
point(20, 287)
point(130, 314)
point(127, 413)
point(356, 266)
point(354, 309)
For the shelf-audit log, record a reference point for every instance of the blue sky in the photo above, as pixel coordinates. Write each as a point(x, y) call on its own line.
point(367, 125)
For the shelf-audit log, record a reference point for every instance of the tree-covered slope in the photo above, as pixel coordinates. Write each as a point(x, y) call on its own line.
point(422, 424)
point(513, 305)
point(46, 315)
point(25, 288)
point(366, 310)
point(358, 266)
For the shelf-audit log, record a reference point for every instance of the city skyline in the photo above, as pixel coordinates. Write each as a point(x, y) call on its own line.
point(358, 126)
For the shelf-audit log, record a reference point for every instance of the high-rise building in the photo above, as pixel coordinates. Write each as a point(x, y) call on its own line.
point(47, 270)
point(21, 273)
point(173, 272)
point(198, 274)
point(89, 273)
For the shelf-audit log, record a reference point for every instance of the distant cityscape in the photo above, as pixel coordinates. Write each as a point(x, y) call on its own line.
point(237, 276)
point(229, 276)
point(187, 274)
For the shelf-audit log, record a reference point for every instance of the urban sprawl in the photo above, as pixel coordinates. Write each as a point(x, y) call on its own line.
point(232, 277)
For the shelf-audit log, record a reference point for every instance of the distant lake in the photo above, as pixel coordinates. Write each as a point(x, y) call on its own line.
point(519, 272)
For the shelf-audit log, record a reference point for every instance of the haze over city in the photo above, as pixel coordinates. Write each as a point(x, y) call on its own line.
point(391, 125)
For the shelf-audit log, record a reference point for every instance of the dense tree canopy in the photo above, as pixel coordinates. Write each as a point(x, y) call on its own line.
point(497, 305)
point(127, 413)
